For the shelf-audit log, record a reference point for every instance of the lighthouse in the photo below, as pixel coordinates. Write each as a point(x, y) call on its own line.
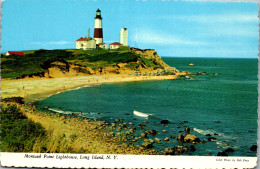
point(98, 32)
point(123, 36)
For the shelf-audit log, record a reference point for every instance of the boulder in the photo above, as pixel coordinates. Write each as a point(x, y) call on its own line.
point(173, 137)
point(164, 131)
point(212, 139)
point(192, 148)
point(176, 150)
point(143, 135)
point(180, 149)
point(111, 134)
point(165, 122)
point(141, 125)
point(187, 130)
point(191, 139)
point(215, 134)
point(203, 141)
point(113, 124)
point(208, 135)
point(132, 130)
point(131, 124)
point(146, 121)
point(169, 151)
point(222, 153)
point(147, 144)
point(229, 150)
point(166, 139)
point(253, 148)
point(157, 140)
point(153, 132)
point(180, 138)
point(151, 140)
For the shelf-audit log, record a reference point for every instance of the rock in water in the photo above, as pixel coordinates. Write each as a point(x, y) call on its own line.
point(166, 139)
point(164, 131)
point(192, 148)
point(222, 153)
point(180, 149)
point(147, 144)
point(229, 150)
point(165, 122)
point(253, 148)
point(173, 137)
point(191, 139)
point(187, 130)
point(169, 151)
point(212, 139)
point(180, 138)
point(153, 132)
point(143, 135)
point(157, 140)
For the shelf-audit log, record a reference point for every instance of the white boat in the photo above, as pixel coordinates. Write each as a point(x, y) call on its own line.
point(191, 64)
point(140, 114)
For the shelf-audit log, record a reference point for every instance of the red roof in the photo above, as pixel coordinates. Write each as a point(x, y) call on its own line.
point(116, 43)
point(100, 44)
point(82, 39)
point(16, 53)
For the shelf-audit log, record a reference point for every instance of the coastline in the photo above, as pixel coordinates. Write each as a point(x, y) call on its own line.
point(36, 88)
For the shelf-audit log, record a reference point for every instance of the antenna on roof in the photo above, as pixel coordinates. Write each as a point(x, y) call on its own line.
point(88, 32)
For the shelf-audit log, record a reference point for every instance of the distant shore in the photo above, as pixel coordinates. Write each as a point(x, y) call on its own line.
point(39, 88)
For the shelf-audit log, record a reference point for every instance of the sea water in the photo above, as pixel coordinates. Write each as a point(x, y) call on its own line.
point(222, 103)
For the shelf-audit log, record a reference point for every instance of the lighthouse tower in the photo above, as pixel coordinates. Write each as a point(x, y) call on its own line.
point(123, 36)
point(98, 32)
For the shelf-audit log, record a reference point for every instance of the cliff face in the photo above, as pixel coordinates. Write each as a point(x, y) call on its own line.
point(152, 54)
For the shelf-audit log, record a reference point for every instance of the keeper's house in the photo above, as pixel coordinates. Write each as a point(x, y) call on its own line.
point(102, 46)
point(86, 43)
point(14, 53)
point(115, 45)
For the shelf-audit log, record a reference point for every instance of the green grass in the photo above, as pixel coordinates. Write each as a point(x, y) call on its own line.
point(18, 134)
point(133, 65)
point(150, 63)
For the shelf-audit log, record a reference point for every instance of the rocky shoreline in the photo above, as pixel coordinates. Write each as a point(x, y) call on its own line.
point(142, 137)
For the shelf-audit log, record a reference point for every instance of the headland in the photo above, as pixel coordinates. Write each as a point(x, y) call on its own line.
point(60, 70)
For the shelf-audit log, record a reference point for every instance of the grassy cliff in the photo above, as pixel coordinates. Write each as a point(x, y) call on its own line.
point(38, 62)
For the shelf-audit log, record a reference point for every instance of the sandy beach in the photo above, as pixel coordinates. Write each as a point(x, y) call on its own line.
point(39, 88)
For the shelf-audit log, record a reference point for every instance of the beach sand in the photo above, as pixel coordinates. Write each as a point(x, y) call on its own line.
point(38, 88)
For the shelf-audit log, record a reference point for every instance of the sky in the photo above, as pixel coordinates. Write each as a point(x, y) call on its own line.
point(173, 28)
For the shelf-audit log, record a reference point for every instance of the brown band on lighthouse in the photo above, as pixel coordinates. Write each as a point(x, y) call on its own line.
point(98, 33)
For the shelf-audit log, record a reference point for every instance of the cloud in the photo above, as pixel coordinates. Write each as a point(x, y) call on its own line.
point(222, 18)
point(52, 43)
point(159, 38)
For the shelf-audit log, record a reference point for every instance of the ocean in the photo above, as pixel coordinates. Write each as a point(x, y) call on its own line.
point(222, 103)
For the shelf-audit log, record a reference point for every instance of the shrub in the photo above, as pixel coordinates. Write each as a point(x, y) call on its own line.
point(150, 63)
point(132, 65)
point(18, 134)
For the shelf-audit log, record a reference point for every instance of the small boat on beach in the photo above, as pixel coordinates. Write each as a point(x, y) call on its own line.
point(140, 114)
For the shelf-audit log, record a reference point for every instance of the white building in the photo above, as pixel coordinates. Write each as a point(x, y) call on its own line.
point(115, 45)
point(86, 43)
point(123, 36)
point(102, 46)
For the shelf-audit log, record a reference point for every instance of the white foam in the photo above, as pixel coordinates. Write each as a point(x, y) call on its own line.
point(212, 132)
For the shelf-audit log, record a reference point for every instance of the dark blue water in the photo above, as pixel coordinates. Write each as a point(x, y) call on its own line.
point(224, 101)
